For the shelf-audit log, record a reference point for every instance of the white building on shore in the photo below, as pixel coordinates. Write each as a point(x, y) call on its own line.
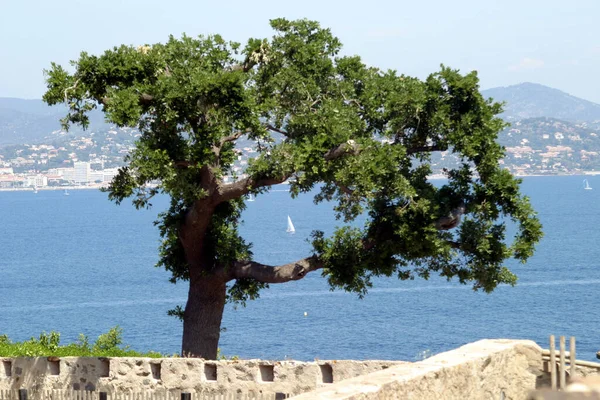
point(36, 180)
point(82, 172)
point(67, 174)
point(80, 175)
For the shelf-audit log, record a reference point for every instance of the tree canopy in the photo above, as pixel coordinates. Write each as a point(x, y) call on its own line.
point(361, 136)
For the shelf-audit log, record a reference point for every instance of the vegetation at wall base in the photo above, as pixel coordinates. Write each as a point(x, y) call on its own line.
point(108, 344)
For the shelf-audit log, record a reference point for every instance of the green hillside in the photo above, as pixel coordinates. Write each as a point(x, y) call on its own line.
point(531, 100)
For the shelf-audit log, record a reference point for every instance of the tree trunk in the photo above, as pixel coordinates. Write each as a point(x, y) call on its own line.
point(207, 293)
point(202, 317)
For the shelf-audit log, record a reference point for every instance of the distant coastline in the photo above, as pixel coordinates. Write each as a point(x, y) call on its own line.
point(431, 177)
point(579, 173)
point(51, 188)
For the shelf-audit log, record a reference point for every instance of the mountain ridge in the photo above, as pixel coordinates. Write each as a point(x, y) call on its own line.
point(32, 120)
point(533, 100)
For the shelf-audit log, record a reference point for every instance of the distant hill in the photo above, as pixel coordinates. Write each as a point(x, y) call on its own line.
point(23, 121)
point(30, 121)
point(531, 100)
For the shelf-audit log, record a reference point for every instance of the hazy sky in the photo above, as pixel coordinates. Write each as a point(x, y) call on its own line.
point(555, 43)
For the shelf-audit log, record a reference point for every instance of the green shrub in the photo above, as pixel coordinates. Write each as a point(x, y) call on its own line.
point(48, 344)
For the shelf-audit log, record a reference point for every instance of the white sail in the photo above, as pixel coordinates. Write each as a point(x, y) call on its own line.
point(251, 197)
point(290, 226)
point(587, 185)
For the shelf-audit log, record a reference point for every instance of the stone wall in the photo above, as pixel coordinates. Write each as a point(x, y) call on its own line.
point(40, 374)
point(488, 369)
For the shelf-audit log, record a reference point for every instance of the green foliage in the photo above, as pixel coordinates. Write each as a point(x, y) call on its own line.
point(245, 289)
point(176, 312)
point(109, 340)
point(48, 344)
point(221, 356)
point(189, 95)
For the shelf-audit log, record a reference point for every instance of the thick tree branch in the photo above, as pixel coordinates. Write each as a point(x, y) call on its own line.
point(269, 274)
point(426, 149)
point(453, 244)
point(344, 188)
point(348, 148)
point(233, 137)
point(208, 177)
point(216, 149)
point(272, 128)
point(352, 148)
point(451, 220)
point(244, 186)
point(245, 67)
point(145, 99)
point(183, 164)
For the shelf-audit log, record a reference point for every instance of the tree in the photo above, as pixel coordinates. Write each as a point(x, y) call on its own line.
point(362, 136)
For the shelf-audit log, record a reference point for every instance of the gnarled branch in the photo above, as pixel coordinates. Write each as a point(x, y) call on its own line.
point(279, 274)
point(233, 137)
point(216, 149)
point(344, 188)
point(453, 244)
point(244, 186)
point(145, 99)
point(352, 148)
point(348, 148)
point(426, 149)
point(272, 128)
point(183, 164)
point(245, 67)
point(451, 220)
point(67, 91)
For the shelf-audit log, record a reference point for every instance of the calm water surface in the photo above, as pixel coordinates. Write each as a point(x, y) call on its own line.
point(80, 264)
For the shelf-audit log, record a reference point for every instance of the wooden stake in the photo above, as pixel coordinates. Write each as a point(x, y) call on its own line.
point(563, 369)
point(552, 363)
point(572, 359)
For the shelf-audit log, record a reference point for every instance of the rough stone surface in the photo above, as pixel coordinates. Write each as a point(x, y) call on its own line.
point(175, 374)
point(487, 369)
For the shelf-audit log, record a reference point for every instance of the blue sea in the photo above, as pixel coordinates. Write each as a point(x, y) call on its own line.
point(81, 264)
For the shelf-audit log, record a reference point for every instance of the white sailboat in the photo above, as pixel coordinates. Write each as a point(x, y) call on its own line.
point(251, 197)
point(290, 226)
point(66, 192)
point(586, 185)
point(35, 189)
